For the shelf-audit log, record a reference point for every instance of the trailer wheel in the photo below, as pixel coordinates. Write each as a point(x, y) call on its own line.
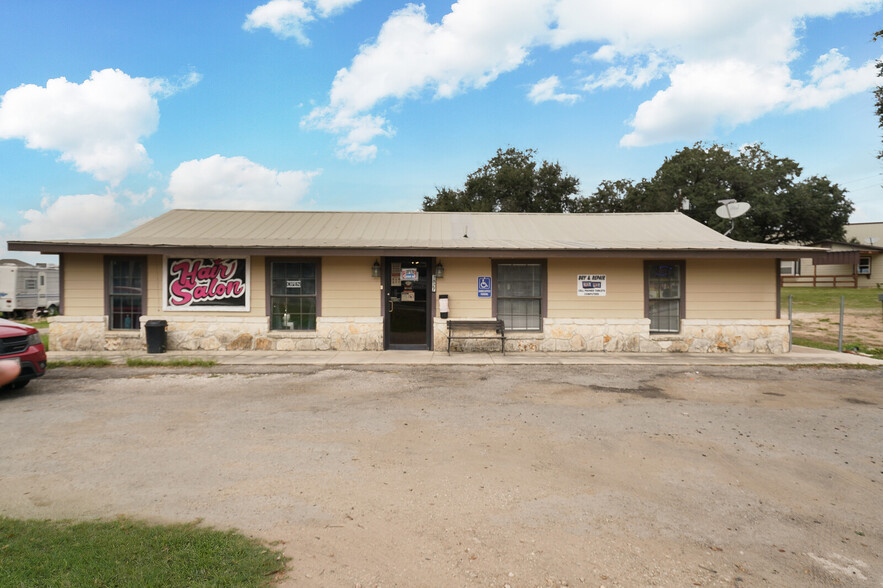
point(52, 311)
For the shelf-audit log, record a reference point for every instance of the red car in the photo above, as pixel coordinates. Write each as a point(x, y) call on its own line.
point(22, 343)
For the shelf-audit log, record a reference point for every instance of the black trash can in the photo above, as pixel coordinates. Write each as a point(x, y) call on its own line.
point(156, 336)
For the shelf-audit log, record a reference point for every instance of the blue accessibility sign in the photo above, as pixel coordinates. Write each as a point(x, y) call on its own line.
point(484, 286)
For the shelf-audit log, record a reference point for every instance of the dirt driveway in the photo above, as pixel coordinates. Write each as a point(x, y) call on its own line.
point(467, 476)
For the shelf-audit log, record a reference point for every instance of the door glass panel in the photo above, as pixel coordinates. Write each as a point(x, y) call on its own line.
point(407, 302)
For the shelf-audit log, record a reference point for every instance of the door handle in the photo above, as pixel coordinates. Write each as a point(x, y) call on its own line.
point(391, 305)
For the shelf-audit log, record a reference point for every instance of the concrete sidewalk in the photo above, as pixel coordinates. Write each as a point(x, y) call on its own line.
point(799, 356)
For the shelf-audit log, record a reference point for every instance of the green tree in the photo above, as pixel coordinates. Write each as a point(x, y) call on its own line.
point(878, 91)
point(511, 181)
point(783, 208)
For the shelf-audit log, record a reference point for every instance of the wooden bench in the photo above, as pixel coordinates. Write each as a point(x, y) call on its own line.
point(483, 325)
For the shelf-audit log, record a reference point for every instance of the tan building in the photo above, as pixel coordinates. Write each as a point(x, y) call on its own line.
point(370, 281)
point(854, 263)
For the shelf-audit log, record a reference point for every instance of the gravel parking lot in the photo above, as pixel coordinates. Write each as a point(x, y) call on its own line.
point(476, 476)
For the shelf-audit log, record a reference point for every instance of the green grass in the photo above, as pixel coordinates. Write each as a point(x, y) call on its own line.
point(86, 362)
point(41, 323)
point(828, 299)
point(874, 352)
point(178, 362)
point(123, 553)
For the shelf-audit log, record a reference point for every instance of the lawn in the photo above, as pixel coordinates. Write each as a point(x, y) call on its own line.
point(828, 299)
point(123, 552)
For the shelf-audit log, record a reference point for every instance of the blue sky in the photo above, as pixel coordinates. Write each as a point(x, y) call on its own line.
point(114, 112)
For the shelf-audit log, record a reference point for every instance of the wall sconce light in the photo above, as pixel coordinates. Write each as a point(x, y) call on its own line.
point(439, 270)
point(375, 270)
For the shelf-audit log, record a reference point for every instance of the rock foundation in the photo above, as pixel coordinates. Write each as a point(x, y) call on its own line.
point(90, 333)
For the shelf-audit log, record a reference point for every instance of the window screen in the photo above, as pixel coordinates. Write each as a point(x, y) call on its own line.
point(293, 296)
point(126, 293)
point(664, 297)
point(520, 295)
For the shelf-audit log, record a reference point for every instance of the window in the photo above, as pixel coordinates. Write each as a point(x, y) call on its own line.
point(125, 291)
point(519, 295)
point(293, 295)
point(790, 268)
point(30, 283)
point(665, 299)
point(864, 266)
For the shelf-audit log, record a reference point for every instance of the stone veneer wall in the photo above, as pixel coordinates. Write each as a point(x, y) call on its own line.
point(90, 333)
point(633, 335)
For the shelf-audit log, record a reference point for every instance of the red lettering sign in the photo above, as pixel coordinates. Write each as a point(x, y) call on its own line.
point(199, 282)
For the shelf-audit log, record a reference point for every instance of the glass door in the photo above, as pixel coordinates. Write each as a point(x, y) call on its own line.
point(406, 294)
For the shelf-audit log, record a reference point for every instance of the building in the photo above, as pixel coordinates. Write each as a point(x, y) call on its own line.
point(854, 263)
point(240, 280)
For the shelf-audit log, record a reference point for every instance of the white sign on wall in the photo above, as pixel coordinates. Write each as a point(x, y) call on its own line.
point(591, 285)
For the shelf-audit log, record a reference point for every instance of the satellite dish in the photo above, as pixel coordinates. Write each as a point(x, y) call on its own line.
point(730, 209)
point(733, 209)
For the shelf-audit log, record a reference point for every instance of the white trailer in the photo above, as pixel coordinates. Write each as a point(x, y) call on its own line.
point(28, 289)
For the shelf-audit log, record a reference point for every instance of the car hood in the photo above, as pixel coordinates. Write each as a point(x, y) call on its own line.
point(13, 329)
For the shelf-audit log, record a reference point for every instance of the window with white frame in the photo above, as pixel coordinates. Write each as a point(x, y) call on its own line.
point(864, 266)
point(790, 268)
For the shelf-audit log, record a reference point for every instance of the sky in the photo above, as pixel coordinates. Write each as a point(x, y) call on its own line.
point(113, 112)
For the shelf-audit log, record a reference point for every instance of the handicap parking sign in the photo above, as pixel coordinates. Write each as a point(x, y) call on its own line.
point(484, 286)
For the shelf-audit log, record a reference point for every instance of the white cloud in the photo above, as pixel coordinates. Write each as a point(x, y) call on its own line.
point(473, 45)
point(329, 7)
point(547, 90)
point(737, 54)
point(97, 125)
point(830, 80)
point(641, 73)
point(286, 18)
point(235, 183)
point(70, 217)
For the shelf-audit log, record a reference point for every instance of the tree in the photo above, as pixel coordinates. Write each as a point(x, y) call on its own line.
point(878, 91)
point(511, 182)
point(783, 208)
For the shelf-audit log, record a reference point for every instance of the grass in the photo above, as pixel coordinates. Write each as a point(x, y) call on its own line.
point(178, 362)
point(40, 323)
point(828, 299)
point(127, 553)
point(86, 362)
point(858, 346)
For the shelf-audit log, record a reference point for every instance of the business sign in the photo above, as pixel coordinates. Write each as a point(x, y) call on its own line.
point(206, 284)
point(409, 274)
point(484, 286)
point(591, 285)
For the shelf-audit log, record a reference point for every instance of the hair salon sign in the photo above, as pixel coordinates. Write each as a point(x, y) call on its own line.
point(206, 284)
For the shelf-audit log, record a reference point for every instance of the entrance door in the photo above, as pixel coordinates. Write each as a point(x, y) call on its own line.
point(407, 314)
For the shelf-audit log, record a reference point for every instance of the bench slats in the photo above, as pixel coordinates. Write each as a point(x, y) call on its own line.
point(497, 325)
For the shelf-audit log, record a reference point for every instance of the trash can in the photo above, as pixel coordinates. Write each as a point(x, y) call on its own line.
point(156, 336)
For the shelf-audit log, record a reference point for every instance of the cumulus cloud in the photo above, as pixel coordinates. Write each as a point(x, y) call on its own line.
point(726, 63)
point(97, 125)
point(286, 18)
point(547, 90)
point(235, 183)
point(474, 44)
point(71, 217)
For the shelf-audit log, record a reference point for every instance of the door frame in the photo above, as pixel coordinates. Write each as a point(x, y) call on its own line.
point(386, 263)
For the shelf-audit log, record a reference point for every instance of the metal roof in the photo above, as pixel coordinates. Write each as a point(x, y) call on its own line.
point(294, 232)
